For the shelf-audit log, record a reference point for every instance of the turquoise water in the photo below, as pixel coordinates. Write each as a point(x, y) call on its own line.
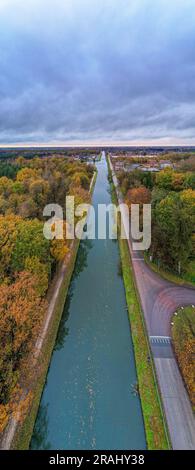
point(88, 400)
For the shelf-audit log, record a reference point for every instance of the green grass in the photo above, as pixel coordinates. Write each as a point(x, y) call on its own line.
point(157, 437)
point(187, 278)
point(189, 275)
point(155, 426)
point(183, 334)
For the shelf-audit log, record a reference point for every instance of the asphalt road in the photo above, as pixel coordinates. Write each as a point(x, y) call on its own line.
point(159, 299)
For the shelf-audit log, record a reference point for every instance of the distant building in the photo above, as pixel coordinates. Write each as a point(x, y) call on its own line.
point(153, 169)
point(165, 164)
point(131, 166)
point(119, 166)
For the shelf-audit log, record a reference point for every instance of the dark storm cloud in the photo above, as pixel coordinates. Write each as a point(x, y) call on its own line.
point(93, 70)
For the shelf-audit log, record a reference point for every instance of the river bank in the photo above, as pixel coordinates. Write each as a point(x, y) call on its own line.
point(155, 427)
point(89, 399)
point(18, 433)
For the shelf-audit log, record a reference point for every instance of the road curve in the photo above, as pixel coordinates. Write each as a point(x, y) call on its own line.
point(159, 299)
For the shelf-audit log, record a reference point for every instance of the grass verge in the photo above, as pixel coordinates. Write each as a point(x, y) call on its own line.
point(183, 334)
point(156, 435)
point(186, 280)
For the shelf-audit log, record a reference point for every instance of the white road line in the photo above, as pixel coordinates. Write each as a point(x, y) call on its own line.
point(160, 339)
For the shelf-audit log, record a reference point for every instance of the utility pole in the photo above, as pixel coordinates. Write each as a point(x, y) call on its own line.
point(179, 267)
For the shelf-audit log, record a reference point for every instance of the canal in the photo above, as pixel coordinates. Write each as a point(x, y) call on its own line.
point(89, 399)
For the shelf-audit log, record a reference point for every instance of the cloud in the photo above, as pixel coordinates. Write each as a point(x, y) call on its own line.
point(97, 71)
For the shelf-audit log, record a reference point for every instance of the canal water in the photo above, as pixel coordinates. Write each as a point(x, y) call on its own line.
point(89, 399)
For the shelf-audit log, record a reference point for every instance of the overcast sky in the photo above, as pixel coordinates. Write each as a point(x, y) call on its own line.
point(97, 71)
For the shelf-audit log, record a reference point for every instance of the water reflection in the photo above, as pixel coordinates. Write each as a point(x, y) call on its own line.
point(81, 262)
point(87, 401)
point(80, 265)
point(39, 439)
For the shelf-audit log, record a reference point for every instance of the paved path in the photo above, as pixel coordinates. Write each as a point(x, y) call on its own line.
point(159, 299)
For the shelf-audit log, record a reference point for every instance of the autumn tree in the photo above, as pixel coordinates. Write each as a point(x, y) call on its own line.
point(5, 186)
point(139, 195)
point(21, 313)
point(164, 179)
point(25, 175)
point(28, 260)
point(30, 242)
point(8, 234)
point(39, 190)
point(188, 200)
point(41, 271)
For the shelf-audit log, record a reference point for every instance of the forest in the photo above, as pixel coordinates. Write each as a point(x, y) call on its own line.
point(171, 193)
point(28, 261)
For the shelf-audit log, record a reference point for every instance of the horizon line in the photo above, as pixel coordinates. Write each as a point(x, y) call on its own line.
point(95, 145)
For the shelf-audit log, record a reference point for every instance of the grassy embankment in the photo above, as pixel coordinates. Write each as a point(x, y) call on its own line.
point(24, 431)
point(156, 435)
point(154, 421)
point(187, 278)
point(183, 334)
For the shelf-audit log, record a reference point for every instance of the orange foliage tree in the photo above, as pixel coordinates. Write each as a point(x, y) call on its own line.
point(139, 195)
point(21, 314)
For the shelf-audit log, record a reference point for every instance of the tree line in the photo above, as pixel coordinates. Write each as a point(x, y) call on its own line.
point(171, 193)
point(28, 261)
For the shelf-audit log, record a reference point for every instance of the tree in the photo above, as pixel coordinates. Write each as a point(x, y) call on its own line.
point(27, 261)
point(39, 190)
point(21, 239)
point(8, 234)
point(4, 204)
point(18, 187)
point(157, 195)
point(188, 200)
point(28, 208)
point(30, 242)
point(5, 186)
point(21, 313)
point(139, 195)
point(171, 235)
point(8, 169)
point(81, 195)
point(85, 181)
point(41, 272)
point(164, 179)
point(81, 179)
point(177, 181)
point(60, 248)
point(25, 175)
point(189, 180)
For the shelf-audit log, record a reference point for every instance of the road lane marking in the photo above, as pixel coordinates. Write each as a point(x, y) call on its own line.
point(160, 340)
